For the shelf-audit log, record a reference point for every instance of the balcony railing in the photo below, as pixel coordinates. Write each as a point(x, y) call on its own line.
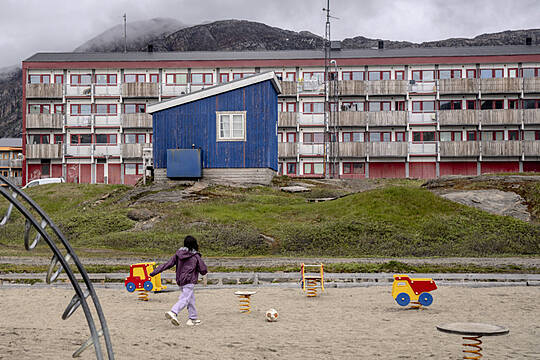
point(140, 90)
point(287, 149)
point(423, 118)
point(458, 86)
point(353, 87)
point(500, 85)
point(387, 87)
point(134, 150)
point(107, 120)
point(310, 87)
point(139, 120)
point(352, 149)
point(287, 119)
point(311, 149)
point(34, 91)
point(501, 148)
point(427, 148)
point(531, 148)
point(387, 149)
point(44, 151)
point(311, 119)
point(531, 85)
point(531, 116)
point(81, 150)
point(108, 90)
point(11, 163)
point(458, 117)
point(459, 148)
point(44, 121)
point(104, 150)
point(79, 121)
point(387, 118)
point(83, 90)
point(423, 87)
point(353, 118)
point(175, 90)
point(288, 88)
point(500, 117)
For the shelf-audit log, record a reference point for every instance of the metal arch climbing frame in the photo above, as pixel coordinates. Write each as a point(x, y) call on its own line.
point(79, 299)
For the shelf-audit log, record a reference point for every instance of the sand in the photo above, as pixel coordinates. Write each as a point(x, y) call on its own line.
point(343, 323)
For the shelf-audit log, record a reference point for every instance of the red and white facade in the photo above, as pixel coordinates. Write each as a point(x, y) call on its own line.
point(417, 113)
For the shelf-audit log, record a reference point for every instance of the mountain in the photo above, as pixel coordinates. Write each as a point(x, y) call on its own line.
point(167, 34)
point(139, 33)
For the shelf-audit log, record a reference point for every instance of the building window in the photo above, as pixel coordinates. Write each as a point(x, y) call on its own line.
point(352, 75)
point(176, 79)
point(58, 139)
point(513, 103)
point(450, 136)
point(280, 107)
point(39, 139)
point(491, 73)
point(81, 79)
point(400, 105)
point(238, 76)
point(471, 74)
point(513, 134)
point(80, 139)
point(279, 75)
point(313, 168)
point(313, 108)
point(530, 72)
point(39, 109)
point(450, 105)
point(379, 106)
point(231, 126)
point(533, 135)
point(352, 106)
point(134, 108)
point(513, 73)
point(423, 106)
point(423, 136)
point(202, 79)
point(400, 75)
point(106, 79)
point(134, 78)
point(223, 78)
point(423, 75)
point(401, 136)
point(471, 135)
point(80, 109)
point(105, 109)
point(313, 138)
point(492, 135)
point(39, 79)
point(154, 78)
point(471, 104)
point(449, 74)
point(59, 109)
point(531, 104)
point(290, 76)
point(353, 168)
point(380, 136)
point(134, 138)
point(291, 107)
point(58, 79)
point(378, 75)
point(491, 104)
point(353, 137)
point(313, 76)
point(105, 139)
point(133, 169)
point(291, 168)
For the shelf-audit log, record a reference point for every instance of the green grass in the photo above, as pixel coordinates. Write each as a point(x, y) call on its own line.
point(398, 218)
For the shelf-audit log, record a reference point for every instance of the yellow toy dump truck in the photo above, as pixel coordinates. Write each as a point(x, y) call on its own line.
point(139, 278)
point(405, 290)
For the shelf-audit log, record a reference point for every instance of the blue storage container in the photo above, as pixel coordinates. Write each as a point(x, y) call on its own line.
point(184, 163)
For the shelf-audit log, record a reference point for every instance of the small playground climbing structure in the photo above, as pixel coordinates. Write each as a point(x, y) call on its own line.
point(311, 282)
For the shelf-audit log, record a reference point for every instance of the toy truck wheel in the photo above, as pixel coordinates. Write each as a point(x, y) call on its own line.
point(425, 299)
point(130, 287)
point(148, 285)
point(403, 299)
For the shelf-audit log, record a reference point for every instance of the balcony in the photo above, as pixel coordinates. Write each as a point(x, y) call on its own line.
point(459, 148)
point(353, 118)
point(44, 121)
point(458, 86)
point(387, 87)
point(500, 85)
point(79, 150)
point(427, 148)
point(288, 88)
point(104, 150)
point(35, 91)
point(102, 90)
point(44, 151)
point(353, 87)
point(311, 119)
point(531, 148)
point(501, 117)
point(79, 91)
point(501, 148)
point(175, 90)
point(531, 85)
point(138, 120)
point(134, 150)
point(423, 118)
point(387, 149)
point(311, 149)
point(310, 87)
point(143, 90)
point(287, 149)
point(387, 118)
point(459, 117)
point(287, 119)
point(11, 163)
point(427, 87)
point(352, 149)
point(107, 120)
point(531, 116)
point(79, 121)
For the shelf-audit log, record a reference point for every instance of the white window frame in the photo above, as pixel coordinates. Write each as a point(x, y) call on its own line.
point(230, 137)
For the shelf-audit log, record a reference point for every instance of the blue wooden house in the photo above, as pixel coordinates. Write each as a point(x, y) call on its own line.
point(227, 132)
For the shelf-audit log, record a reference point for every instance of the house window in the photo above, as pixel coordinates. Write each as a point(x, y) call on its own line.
point(279, 75)
point(291, 168)
point(491, 73)
point(133, 169)
point(313, 76)
point(423, 106)
point(237, 76)
point(58, 79)
point(223, 78)
point(353, 168)
point(400, 75)
point(401, 136)
point(313, 168)
point(59, 109)
point(513, 134)
point(352, 75)
point(134, 108)
point(471, 135)
point(291, 107)
point(471, 74)
point(423, 136)
point(379, 106)
point(80, 109)
point(176, 79)
point(353, 137)
point(154, 78)
point(39, 79)
point(39, 109)
point(513, 104)
point(352, 106)
point(380, 136)
point(450, 136)
point(531, 135)
point(530, 72)
point(313, 108)
point(513, 73)
point(39, 139)
point(202, 79)
point(531, 104)
point(105, 139)
point(106, 79)
point(290, 76)
point(471, 104)
point(231, 126)
point(450, 105)
point(378, 75)
point(58, 138)
point(423, 75)
point(491, 104)
point(291, 137)
point(492, 135)
point(449, 74)
point(134, 78)
point(105, 109)
point(400, 105)
point(134, 138)
point(280, 107)
point(80, 139)
point(81, 79)
point(313, 138)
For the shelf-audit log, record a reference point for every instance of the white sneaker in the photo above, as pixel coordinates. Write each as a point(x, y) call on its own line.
point(172, 316)
point(192, 322)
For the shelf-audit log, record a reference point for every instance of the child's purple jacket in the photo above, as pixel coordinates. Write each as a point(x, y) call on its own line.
point(188, 266)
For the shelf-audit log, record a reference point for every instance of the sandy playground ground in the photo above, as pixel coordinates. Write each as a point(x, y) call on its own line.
point(343, 323)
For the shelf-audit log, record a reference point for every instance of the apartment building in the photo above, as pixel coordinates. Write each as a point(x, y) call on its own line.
point(11, 159)
point(417, 113)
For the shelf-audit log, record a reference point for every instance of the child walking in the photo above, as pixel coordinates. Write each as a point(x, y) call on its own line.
point(188, 267)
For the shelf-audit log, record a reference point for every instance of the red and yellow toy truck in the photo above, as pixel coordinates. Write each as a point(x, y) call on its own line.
point(405, 290)
point(139, 278)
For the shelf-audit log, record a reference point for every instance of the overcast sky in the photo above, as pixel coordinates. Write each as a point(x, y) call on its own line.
point(30, 26)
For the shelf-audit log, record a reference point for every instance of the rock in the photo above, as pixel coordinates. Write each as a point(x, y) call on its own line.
point(140, 214)
point(294, 189)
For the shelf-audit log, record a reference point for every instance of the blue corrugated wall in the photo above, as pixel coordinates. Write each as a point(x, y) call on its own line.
point(194, 123)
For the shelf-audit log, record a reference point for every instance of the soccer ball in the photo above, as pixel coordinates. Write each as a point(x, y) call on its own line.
point(271, 315)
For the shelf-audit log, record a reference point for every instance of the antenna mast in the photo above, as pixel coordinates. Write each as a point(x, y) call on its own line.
point(125, 33)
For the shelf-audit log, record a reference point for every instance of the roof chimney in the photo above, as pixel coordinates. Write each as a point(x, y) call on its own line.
point(381, 44)
point(150, 48)
point(528, 40)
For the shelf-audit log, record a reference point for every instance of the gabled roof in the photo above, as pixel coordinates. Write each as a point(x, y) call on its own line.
point(215, 90)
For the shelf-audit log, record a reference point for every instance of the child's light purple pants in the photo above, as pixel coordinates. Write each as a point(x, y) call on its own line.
point(186, 298)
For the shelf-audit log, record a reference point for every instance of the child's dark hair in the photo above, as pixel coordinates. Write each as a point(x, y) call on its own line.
point(191, 243)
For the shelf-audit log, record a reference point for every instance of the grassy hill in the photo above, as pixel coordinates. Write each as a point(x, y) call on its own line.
point(397, 218)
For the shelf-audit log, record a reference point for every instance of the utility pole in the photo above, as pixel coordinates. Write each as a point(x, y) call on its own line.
point(326, 88)
point(125, 33)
